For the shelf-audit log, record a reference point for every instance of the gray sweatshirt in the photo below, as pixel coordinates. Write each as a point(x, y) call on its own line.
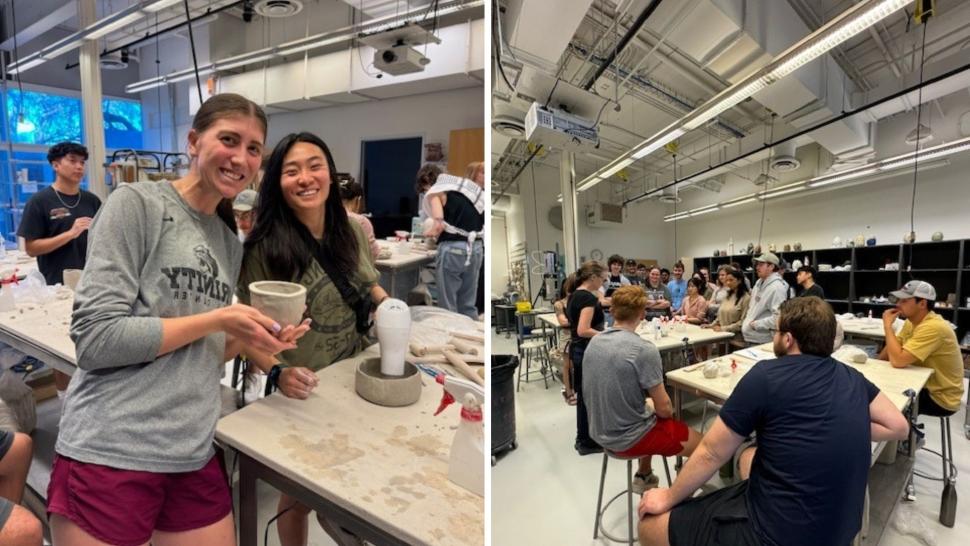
point(150, 256)
point(766, 297)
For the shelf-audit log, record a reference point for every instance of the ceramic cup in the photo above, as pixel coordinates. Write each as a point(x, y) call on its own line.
point(281, 301)
point(71, 278)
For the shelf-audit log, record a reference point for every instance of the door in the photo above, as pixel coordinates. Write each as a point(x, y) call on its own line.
point(387, 174)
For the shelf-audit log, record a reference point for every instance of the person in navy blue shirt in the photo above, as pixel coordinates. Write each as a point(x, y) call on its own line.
point(804, 484)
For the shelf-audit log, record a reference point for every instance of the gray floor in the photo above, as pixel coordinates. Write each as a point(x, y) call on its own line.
point(544, 493)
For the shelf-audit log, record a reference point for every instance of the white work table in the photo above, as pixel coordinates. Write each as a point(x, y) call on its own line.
point(42, 331)
point(401, 265)
point(864, 327)
point(674, 339)
point(379, 472)
point(886, 481)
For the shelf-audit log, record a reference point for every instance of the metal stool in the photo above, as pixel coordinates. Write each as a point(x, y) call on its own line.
point(600, 509)
point(534, 348)
point(948, 501)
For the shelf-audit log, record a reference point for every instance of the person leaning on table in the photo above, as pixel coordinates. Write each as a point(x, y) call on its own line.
point(928, 341)
point(805, 483)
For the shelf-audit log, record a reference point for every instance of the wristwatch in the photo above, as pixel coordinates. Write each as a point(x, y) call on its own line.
point(273, 378)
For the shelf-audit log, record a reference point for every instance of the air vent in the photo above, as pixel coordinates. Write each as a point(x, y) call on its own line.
point(278, 8)
point(669, 195)
point(508, 126)
point(784, 159)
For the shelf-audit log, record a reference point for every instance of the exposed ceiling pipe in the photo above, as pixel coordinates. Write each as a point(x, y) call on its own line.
point(131, 45)
point(621, 45)
point(802, 132)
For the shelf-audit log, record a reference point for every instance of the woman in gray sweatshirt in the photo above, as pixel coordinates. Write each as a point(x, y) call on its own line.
point(153, 324)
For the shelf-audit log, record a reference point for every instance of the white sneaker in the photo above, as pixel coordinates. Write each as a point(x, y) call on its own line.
point(641, 483)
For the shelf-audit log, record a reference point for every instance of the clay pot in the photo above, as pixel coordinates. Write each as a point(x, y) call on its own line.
point(787, 248)
point(71, 278)
point(797, 247)
point(910, 237)
point(716, 254)
point(937, 237)
point(281, 301)
point(771, 247)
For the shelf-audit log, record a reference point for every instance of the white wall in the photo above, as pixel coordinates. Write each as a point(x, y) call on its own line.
point(499, 273)
point(942, 198)
point(431, 116)
point(642, 235)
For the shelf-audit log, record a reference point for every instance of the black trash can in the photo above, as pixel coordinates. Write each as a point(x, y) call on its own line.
point(503, 403)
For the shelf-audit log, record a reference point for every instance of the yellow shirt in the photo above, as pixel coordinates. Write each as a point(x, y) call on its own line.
point(934, 344)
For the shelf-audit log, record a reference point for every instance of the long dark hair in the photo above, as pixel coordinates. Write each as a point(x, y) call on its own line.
point(285, 243)
point(742, 288)
point(221, 106)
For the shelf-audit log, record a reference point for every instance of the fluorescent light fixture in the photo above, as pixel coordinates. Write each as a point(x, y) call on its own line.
point(717, 105)
point(741, 202)
point(786, 190)
point(298, 47)
point(852, 22)
point(160, 5)
point(675, 217)
point(59, 48)
point(658, 142)
point(589, 182)
point(114, 25)
point(27, 64)
point(704, 211)
point(230, 63)
point(841, 177)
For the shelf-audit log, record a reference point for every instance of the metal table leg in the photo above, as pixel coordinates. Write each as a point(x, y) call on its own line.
point(248, 535)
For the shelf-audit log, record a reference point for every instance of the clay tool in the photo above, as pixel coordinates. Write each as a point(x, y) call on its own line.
point(464, 347)
point(421, 350)
point(463, 367)
point(469, 337)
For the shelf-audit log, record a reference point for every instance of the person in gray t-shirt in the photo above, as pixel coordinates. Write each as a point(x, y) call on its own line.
point(621, 370)
point(153, 324)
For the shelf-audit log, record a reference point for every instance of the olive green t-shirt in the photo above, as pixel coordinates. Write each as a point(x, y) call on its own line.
point(333, 334)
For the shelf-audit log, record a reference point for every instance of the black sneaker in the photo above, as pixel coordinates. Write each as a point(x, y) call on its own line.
point(586, 449)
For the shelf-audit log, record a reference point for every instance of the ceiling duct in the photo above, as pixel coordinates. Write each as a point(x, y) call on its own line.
point(117, 60)
point(670, 196)
point(278, 8)
point(783, 158)
point(509, 126)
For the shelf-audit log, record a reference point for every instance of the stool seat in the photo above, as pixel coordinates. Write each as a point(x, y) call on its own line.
point(533, 344)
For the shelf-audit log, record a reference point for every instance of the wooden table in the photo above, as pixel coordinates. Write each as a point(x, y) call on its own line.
point(379, 472)
point(399, 265)
point(885, 481)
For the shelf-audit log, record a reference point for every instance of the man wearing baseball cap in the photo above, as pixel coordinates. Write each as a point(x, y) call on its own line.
point(244, 209)
point(766, 297)
point(926, 340)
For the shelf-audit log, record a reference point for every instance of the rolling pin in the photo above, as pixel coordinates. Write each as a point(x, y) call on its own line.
point(465, 347)
point(421, 350)
point(464, 368)
point(480, 340)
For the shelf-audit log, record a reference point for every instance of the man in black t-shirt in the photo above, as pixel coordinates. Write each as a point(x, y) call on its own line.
point(56, 221)
point(814, 419)
point(56, 218)
point(805, 276)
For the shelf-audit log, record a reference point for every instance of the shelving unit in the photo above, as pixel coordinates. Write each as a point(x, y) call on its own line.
point(944, 264)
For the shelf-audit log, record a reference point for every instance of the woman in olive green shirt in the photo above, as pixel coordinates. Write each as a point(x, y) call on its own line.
point(300, 217)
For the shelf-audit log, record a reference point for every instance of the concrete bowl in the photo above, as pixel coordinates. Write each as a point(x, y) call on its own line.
point(387, 390)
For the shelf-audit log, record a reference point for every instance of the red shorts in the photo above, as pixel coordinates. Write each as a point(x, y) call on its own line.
point(124, 507)
point(665, 438)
